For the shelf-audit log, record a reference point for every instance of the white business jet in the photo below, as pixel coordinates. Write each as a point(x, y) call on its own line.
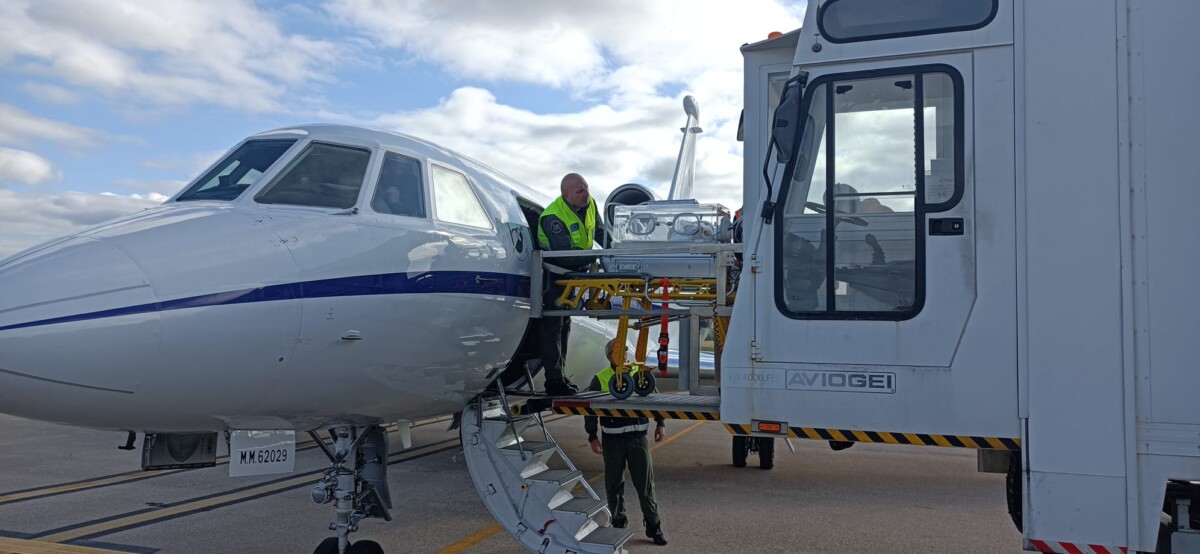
point(316, 277)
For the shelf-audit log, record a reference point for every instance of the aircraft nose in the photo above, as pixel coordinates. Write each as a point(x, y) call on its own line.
point(72, 317)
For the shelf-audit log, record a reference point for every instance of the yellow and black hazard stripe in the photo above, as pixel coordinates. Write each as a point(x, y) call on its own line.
point(919, 439)
point(649, 414)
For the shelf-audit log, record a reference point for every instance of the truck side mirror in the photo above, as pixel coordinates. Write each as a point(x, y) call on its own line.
point(785, 124)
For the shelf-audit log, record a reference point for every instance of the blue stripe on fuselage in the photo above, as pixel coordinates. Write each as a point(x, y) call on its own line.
point(431, 282)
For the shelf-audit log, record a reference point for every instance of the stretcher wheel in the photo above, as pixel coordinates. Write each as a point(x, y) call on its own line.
point(646, 385)
point(621, 386)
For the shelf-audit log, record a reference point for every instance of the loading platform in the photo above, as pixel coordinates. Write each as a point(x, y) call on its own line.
point(666, 406)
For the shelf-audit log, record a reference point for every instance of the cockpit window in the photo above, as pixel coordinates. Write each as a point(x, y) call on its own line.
point(324, 175)
point(399, 191)
point(237, 171)
point(856, 20)
point(454, 201)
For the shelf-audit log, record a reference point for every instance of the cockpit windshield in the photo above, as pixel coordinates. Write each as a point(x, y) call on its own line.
point(237, 171)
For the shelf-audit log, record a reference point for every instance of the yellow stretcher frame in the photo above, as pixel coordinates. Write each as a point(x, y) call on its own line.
point(599, 292)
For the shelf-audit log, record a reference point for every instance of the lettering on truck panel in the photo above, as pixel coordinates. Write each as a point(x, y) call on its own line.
point(842, 381)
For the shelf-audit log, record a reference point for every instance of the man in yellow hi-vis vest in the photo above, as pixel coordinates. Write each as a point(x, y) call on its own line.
point(569, 223)
point(622, 441)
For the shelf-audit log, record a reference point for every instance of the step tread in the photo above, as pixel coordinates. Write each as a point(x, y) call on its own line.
point(514, 418)
point(608, 536)
point(581, 505)
point(559, 476)
point(533, 447)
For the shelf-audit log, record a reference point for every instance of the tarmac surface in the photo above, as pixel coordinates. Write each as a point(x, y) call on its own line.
point(71, 490)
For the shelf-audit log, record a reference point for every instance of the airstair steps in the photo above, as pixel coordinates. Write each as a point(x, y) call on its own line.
point(534, 502)
point(607, 537)
point(529, 447)
point(575, 515)
point(562, 477)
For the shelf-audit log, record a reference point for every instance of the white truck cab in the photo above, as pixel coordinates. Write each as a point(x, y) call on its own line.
point(974, 227)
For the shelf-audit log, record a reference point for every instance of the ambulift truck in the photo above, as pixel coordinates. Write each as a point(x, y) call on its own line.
point(970, 224)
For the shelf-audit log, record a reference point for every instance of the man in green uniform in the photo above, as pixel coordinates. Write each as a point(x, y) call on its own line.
point(622, 441)
point(569, 223)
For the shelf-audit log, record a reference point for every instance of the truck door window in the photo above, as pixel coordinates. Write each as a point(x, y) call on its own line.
point(941, 152)
point(857, 20)
point(850, 243)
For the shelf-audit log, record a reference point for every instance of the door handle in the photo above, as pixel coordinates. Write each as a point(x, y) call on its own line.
point(946, 226)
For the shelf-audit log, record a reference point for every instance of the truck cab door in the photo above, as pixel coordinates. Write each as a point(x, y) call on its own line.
point(869, 273)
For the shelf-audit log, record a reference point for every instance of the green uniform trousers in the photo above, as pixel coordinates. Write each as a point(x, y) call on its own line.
point(632, 449)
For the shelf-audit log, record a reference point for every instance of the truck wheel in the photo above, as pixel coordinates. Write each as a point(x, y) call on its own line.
point(1012, 489)
point(766, 452)
point(740, 449)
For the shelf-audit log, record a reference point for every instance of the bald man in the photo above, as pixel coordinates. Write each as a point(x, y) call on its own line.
point(571, 222)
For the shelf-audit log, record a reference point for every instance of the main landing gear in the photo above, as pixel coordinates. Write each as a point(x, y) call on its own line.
point(356, 485)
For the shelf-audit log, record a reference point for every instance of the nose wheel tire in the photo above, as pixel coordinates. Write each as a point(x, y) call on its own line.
point(327, 546)
point(365, 547)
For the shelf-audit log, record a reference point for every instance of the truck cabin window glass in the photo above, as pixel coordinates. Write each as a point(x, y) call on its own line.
point(857, 20)
point(234, 174)
point(324, 176)
point(878, 151)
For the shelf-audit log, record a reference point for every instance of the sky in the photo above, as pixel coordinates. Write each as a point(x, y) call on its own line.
point(109, 107)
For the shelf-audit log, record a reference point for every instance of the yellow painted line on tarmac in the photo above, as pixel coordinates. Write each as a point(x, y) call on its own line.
point(4, 499)
point(207, 503)
point(475, 538)
point(22, 546)
point(483, 534)
point(140, 475)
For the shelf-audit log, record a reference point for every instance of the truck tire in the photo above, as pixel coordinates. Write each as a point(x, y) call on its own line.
point(766, 452)
point(1012, 489)
point(740, 449)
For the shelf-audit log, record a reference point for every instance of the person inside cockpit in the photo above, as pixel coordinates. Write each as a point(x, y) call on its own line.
point(399, 190)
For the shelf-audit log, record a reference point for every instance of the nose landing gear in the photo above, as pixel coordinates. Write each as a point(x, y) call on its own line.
point(356, 485)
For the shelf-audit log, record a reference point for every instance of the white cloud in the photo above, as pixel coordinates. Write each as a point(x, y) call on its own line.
point(152, 197)
point(26, 167)
point(22, 128)
point(31, 219)
point(597, 143)
point(623, 53)
point(573, 44)
point(225, 52)
point(160, 190)
point(190, 164)
point(630, 61)
point(51, 94)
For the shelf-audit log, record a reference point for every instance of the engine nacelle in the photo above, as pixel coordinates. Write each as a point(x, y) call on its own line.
point(629, 194)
